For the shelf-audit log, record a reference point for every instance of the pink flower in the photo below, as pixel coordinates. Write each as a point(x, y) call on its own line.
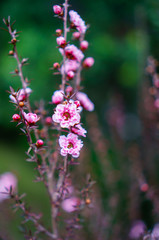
point(67, 114)
point(73, 53)
point(57, 96)
point(70, 204)
point(7, 180)
point(70, 65)
point(21, 95)
point(61, 41)
point(70, 145)
point(85, 101)
point(88, 62)
point(77, 21)
point(77, 129)
point(31, 118)
point(57, 9)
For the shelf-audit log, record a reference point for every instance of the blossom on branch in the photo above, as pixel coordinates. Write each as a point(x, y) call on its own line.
point(79, 130)
point(67, 114)
point(77, 21)
point(86, 103)
point(21, 95)
point(31, 118)
point(70, 145)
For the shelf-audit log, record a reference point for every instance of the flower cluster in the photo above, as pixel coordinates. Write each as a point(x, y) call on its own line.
point(69, 100)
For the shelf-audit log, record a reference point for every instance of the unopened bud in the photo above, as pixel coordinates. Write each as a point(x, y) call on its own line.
point(58, 32)
point(69, 90)
point(56, 65)
point(57, 10)
point(21, 104)
point(11, 53)
point(84, 45)
point(76, 35)
point(16, 117)
point(48, 120)
point(88, 201)
point(70, 75)
point(39, 143)
point(16, 71)
point(88, 62)
point(14, 40)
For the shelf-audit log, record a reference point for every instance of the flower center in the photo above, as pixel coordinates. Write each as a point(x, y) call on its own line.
point(66, 115)
point(70, 145)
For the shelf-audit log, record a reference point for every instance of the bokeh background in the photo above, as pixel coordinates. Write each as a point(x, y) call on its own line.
point(121, 152)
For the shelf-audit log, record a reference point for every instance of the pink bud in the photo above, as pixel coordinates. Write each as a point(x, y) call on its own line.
point(88, 62)
point(56, 65)
point(84, 45)
point(144, 187)
point(70, 75)
point(39, 143)
point(58, 32)
point(76, 35)
point(61, 41)
point(48, 120)
point(31, 118)
point(16, 117)
point(57, 9)
point(69, 89)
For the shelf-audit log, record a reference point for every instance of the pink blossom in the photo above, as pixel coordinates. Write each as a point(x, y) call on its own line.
point(73, 53)
point(61, 41)
point(57, 97)
point(70, 204)
point(57, 9)
point(31, 118)
point(22, 94)
point(77, 129)
point(70, 65)
point(70, 145)
point(85, 101)
point(67, 114)
point(88, 62)
point(77, 21)
point(7, 180)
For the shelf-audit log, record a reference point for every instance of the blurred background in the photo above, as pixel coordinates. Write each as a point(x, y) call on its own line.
point(121, 152)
